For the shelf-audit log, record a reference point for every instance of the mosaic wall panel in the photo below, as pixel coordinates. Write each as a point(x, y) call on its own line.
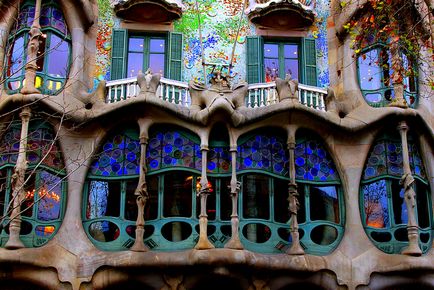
point(219, 21)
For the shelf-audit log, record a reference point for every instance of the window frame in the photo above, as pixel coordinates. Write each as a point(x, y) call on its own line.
point(281, 56)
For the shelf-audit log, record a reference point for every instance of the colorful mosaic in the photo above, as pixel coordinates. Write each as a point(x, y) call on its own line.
point(219, 22)
point(219, 160)
point(173, 149)
point(313, 163)
point(120, 156)
point(40, 146)
point(263, 152)
point(386, 159)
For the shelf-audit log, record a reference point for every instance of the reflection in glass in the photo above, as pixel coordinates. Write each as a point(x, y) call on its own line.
point(156, 63)
point(104, 199)
point(375, 204)
point(130, 201)
point(399, 208)
point(15, 61)
point(423, 213)
point(177, 194)
point(225, 199)
point(135, 63)
point(49, 195)
point(369, 70)
point(156, 45)
point(135, 44)
point(104, 231)
point(58, 61)
point(324, 203)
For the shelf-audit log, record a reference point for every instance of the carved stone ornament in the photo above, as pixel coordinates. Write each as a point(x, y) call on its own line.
point(148, 11)
point(281, 14)
point(219, 97)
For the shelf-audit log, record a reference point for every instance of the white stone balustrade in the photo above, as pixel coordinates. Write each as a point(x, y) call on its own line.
point(176, 92)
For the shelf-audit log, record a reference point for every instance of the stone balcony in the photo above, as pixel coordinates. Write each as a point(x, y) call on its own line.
point(281, 14)
point(148, 11)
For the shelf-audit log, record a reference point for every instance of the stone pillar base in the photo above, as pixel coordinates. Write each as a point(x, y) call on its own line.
point(139, 245)
point(203, 243)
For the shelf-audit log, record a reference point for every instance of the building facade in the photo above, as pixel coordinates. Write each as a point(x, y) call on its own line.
point(167, 144)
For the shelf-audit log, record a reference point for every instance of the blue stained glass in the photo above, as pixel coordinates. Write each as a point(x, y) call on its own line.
point(211, 166)
point(247, 162)
point(108, 147)
point(154, 164)
point(131, 156)
point(168, 148)
point(168, 160)
point(299, 161)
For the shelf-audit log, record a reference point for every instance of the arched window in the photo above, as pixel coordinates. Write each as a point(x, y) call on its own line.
point(384, 212)
point(321, 213)
point(45, 185)
point(54, 49)
point(110, 210)
point(375, 76)
point(262, 163)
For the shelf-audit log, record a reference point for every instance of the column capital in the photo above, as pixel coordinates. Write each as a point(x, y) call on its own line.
point(402, 126)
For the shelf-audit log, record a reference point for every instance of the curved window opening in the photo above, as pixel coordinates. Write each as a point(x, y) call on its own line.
point(53, 56)
point(375, 76)
point(44, 188)
point(384, 210)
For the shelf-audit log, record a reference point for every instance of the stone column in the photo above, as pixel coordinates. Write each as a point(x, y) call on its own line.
point(407, 181)
point(203, 243)
point(142, 198)
point(295, 248)
point(18, 182)
point(32, 53)
point(397, 77)
point(234, 242)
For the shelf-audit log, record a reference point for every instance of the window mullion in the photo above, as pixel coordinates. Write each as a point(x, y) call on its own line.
point(281, 60)
point(217, 198)
point(146, 54)
point(390, 204)
point(271, 197)
point(160, 192)
point(307, 202)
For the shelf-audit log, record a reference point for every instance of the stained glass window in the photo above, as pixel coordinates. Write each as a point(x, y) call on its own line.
point(219, 160)
point(313, 163)
point(386, 159)
point(120, 156)
point(263, 152)
point(170, 149)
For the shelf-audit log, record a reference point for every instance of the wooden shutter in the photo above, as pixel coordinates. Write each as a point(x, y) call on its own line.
point(309, 62)
point(254, 59)
point(175, 56)
point(119, 46)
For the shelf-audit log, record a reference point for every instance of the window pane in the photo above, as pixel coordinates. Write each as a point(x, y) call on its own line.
point(104, 199)
point(49, 195)
point(369, 70)
point(177, 194)
point(375, 204)
point(135, 64)
point(41, 54)
point(256, 200)
point(156, 63)
point(151, 208)
point(29, 190)
point(16, 58)
point(291, 67)
point(130, 200)
point(373, 98)
point(271, 66)
point(58, 57)
point(281, 213)
point(290, 51)
point(409, 81)
point(3, 180)
point(324, 203)
point(399, 207)
point(422, 204)
point(225, 199)
point(156, 45)
point(135, 44)
point(271, 50)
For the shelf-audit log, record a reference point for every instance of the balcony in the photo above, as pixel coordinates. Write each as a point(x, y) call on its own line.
point(176, 92)
point(281, 14)
point(148, 11)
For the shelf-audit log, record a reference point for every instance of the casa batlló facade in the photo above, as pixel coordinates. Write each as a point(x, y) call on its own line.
point(167, 144)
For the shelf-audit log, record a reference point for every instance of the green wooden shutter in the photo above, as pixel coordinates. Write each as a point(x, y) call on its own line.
point(119, 47)
point(255, 69)
point(309, 62)
point(175, 56)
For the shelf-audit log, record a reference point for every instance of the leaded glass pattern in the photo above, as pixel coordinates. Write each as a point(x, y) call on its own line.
point(41, 148)
point(263, 152)
point(386, 159)
point(120, 156)
point(219, 160)
point(173, 149)
point(313, 163)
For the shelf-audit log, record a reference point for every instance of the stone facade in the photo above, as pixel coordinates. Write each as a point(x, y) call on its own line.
point(82, 120)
